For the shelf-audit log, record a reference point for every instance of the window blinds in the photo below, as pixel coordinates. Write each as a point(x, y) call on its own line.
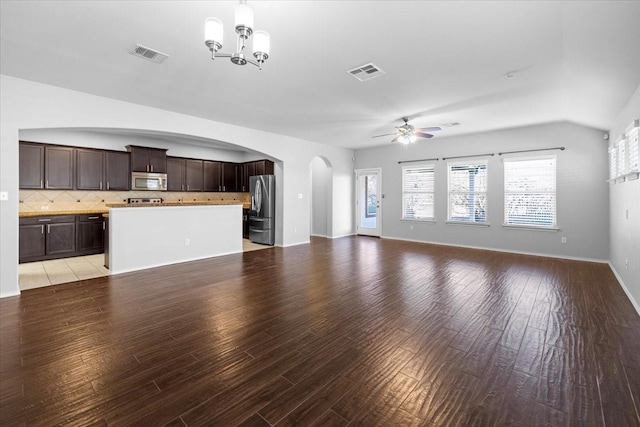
point(530, 192)
point(468, 192)
point(418, 192)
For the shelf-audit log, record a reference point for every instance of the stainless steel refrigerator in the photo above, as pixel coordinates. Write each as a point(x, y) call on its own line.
point(262, 221)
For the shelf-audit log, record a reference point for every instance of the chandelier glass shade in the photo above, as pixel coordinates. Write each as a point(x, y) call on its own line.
point(214, 36)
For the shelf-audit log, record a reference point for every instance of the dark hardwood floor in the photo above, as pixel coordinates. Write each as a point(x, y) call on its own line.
point(352, 331)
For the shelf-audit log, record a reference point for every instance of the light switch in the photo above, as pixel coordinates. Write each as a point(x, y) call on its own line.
point(4, 195)
point(299, 195)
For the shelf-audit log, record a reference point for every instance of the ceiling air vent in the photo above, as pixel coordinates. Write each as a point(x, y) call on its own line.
point(366, 72)
point(147, 53)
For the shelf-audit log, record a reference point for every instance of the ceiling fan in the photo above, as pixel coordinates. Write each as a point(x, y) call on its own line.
point(407, 133)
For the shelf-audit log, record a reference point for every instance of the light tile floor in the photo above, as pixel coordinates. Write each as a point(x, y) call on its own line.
point(56, 271)
point(53, 272)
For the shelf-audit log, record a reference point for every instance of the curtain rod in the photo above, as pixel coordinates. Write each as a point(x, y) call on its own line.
point(529, 151)
point(473, 155)
point(482, 155)
point(419, 160)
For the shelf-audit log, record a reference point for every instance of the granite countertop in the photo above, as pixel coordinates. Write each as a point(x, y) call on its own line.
point(192, 203)
point(53, 213)
point(105, 212)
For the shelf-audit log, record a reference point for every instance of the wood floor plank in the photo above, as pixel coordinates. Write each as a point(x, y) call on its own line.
point(356, 330)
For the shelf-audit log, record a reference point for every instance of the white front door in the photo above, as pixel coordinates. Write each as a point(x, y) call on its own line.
point(368, 202)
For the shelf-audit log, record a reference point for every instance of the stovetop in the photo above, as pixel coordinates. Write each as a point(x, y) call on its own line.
point(144, 200)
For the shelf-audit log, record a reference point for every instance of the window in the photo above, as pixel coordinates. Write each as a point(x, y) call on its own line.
point(371, 196)
point(622, 157)
point(632, 139)
point(417, 192)
point(468, 192)
point(613, 162)
point(530, 191)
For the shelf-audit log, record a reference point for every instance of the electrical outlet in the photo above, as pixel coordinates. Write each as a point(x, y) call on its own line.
point(44, 208)
point(411, 227)
point(187, 242)
point(4, 195)
point(563, 240)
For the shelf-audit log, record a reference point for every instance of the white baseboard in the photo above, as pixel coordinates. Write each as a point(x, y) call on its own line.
point(296, 244)
point(601, 261)
point(10, 294)
point(331, 237)
point(341, 235)
point(625, 289)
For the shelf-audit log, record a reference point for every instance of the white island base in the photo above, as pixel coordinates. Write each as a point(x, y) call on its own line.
point(152, 236)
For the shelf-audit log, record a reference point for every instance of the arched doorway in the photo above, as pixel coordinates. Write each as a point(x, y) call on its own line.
point(321, 197)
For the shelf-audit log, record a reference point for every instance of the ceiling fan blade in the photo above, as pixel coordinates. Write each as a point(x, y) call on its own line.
point(423, 135)
point(396, 139)
point(386, 134)
point(431, 129)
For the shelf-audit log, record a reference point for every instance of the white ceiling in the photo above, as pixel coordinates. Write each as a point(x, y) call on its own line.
point(444, 61)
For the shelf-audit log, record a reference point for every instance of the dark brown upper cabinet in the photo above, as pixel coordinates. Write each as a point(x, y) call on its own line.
point(264, 167)
point(249, 169)
point(31, 163)
point(59, 168)
point(175, 174)
point(184, 174)
point(212, 175)
point(89, 169)
point(117, 170)
point(194, 174)
point(102, 170)
point(145, 159)
point(229, 177)
point(220, 176)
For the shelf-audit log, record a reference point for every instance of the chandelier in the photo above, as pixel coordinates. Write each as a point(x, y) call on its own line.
point(213, 36)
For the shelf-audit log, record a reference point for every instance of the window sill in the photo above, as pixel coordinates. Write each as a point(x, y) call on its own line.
point(631, 176)
point(531, 228)
point(418, 220)
point(473, 224)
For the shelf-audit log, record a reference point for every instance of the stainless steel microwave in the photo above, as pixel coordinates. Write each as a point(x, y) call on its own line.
point(149, 181)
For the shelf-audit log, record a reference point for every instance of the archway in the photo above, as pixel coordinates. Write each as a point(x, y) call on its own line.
point(321, 197)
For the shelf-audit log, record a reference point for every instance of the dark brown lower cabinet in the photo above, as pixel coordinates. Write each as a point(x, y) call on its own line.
point(89, 234)
point(60, 236)
point(32, 241)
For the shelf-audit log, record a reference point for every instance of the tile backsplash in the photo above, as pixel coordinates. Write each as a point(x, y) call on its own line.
point(67, 200)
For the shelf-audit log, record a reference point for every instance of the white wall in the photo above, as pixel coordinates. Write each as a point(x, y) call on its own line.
point(153, 236)
point(625, 228)
point(320, 198)
point(582, 190)
point(28, 105)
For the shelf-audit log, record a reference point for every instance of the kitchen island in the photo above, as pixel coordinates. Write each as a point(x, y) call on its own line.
point(152, 235)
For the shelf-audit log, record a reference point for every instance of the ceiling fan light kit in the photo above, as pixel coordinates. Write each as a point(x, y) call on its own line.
point(214, 36)
point(407, 134)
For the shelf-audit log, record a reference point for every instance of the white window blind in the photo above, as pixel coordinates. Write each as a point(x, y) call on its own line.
point(632, 139)
point(613, 162)
point(418, 192)
point(530, 191)
point(468, 192)
point(622, 156)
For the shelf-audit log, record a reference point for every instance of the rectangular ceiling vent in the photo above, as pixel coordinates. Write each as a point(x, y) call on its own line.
point(147, 53)
point(366, 72)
